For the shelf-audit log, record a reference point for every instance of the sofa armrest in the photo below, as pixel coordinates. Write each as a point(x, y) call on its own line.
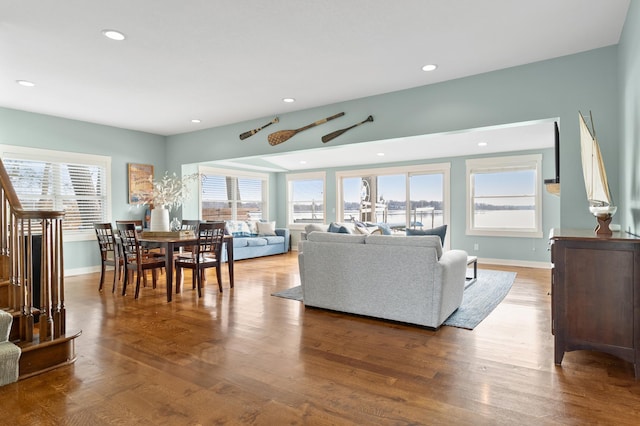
point(5, 325)
point(453, 267)
point(284, 232)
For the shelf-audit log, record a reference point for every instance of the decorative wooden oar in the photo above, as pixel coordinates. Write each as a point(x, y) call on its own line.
point(254, 131)
point(284, 135)
point(333, 135)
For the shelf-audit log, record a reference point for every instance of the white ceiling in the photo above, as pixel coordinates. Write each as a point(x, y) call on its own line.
point(228, 61)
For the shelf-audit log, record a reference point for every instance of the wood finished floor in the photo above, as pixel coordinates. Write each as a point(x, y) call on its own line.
point(245, 357)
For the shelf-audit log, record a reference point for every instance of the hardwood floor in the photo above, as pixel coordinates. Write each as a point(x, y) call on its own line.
point(245, 357)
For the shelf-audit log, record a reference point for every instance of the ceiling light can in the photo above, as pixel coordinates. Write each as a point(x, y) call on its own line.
point(113, 35)
point(429, 67)
point(25, 83)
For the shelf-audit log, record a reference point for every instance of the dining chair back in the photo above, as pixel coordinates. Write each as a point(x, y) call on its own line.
point(136, 222)
point(189, 225)
point(136, 259)
point(109, 253)
point(207, 254)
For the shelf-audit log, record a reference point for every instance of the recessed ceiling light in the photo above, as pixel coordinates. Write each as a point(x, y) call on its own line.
point(380, 154)
point(482, 144)
point(430, 67)
point(303, 162)
point(113, 35)
point(288, 100)
point(196, 121)
point(25, 83)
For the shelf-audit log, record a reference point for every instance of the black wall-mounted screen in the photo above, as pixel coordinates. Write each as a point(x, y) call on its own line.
point(557, 153)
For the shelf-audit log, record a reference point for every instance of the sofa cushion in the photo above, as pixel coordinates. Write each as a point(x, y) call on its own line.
point(266, 228)
point(256, 242)
point(239, 242)
point(440, 231)
point(274, 240)
point(331, 237)
point(423, 241)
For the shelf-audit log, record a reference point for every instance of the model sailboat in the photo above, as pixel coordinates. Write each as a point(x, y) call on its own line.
point(595, 178)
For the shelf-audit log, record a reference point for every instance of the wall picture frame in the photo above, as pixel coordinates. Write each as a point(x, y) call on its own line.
point(139, 182)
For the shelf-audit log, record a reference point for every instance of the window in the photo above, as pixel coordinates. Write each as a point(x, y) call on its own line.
point(305, 198)
point(504, 196)
point(414, 196)
point(78, 184)
point(231, 195)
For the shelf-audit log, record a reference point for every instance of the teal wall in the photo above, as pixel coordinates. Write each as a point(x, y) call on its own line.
point(629, 49)
point(123, 146)
point(557, 88)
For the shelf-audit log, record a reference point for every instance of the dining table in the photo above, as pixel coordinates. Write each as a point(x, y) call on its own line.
point(170, 243)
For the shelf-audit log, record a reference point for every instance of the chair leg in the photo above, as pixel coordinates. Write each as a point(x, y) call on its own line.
point(125, 281)
point(138, 283)
point(154, 277)
point(178, 278)
point(102, 272)
point(219, 276)
point(197, 274)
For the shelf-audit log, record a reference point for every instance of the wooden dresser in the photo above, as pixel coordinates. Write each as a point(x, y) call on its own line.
point(595, 290)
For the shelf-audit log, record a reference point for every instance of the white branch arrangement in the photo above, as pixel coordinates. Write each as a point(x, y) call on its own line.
point(170, 191)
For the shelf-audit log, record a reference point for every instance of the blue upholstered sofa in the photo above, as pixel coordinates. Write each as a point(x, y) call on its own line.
point(256, 238)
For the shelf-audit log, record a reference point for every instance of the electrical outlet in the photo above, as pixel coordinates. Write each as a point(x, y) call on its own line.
point(476, 247)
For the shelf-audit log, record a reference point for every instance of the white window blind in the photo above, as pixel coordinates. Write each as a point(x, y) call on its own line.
point(77, 185)
point(233, 197)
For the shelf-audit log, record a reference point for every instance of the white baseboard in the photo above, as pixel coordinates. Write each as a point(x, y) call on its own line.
point(82, 271)
point(511, 262)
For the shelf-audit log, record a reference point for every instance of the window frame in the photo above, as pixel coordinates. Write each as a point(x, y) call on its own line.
point(504, 164)
point(236, 174)
point(292, 177)
point(67, 157)
point(408, 171)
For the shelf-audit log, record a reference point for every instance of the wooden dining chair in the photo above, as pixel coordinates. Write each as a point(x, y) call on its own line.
point(189, 225)
point(135, 259)
point(136, 222)
point(207, 254)
point(110, 254)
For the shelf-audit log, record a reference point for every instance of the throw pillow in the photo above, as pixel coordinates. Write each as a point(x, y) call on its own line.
point(309, 228)
point(385, 228)
point(362, 229)
point(266, 228)
point(253, 227)
point(237, 228)
point(341, 229)
point(440, 231)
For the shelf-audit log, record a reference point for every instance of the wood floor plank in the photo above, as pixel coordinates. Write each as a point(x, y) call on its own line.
point(245, 357)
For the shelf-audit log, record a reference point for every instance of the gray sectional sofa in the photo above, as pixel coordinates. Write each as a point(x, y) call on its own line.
point(399, 278)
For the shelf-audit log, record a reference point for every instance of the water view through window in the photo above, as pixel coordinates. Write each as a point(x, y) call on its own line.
point(504, 199)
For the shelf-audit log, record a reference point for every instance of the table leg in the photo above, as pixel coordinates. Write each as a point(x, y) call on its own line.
point(230, 261)
point(169, 268)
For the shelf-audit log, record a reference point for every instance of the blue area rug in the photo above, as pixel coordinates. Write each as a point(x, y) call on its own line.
point(480, 297)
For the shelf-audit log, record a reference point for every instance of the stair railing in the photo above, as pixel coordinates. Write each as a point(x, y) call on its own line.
point(19, 230)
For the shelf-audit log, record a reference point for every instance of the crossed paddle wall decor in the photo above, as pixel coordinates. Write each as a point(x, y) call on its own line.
point(278, 137)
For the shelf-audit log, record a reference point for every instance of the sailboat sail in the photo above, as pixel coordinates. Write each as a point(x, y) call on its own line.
point(595, 177)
